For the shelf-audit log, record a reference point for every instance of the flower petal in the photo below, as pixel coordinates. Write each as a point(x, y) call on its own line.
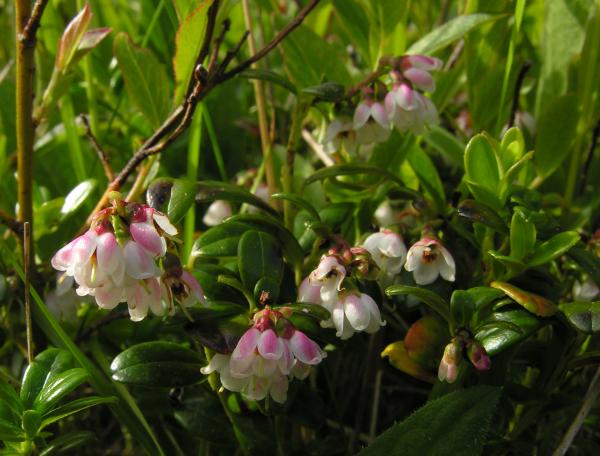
point(305, 349)
point(138, 262)
point(243, 354)
point(356, 313)
point(361, 115)
point(269, 345)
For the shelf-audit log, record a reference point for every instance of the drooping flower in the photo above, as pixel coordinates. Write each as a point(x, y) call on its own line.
point(478, 356)
point(428, 258)
point(329, 275)
point(116, 259)
point(267, 355)
point(384, 214)
point(354, 313)
point(371, 121)
point(387, 250)
point(340, 133)
point(409, 110)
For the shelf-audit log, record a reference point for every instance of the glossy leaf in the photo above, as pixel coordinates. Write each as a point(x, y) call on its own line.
point(479, 212)
point(10, 433)
point(258, 256)
point(213, 190)
point(399, 358)
point(448, 145)
point(305, 308)
point(58, 387)
point(157, 364)
point(182, 197)
point(187, 46)
point(31, 422)
point(428, 176)
point(329, 91)
point(73, 407)
point(453, 424)
point(462, 306)
point(76, 197)
point(67, 442)
point(553, 248)
point(220, 241)
point(145, 79)
point(298, 201)
point(585, 316)
point(425, 340)
point(482, 169)
point(497, 338)
point(534, 303)
point(522, 236)
point(44, 367)
point(10, 397)
point(432, 299)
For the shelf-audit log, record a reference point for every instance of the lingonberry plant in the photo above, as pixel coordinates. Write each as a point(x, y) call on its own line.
point(299, 227)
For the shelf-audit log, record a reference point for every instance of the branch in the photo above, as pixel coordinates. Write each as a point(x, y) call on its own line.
point(12, 223)
point(275, 41)
point(101, 154)
point(28, 34)
point(201, 84)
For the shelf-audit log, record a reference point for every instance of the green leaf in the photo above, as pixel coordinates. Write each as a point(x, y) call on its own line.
point(145, 80)
point(447, 144)
point(432, 299)
point(462, 306)
point(481, 213)
point(67, 442)
point(182, 197)
point(58, 387)
point(157, 364)
point(220, 241)
point(584, 316)
point(450, 425)
point(512, 147)
point(269, 76)
point(354, 22)
point(428, 176)
point(481, 169)
point(187, 46)
point(258, 256)
point(555, 132)
point(553, 248)
point(30, 422)
point(73, 407)
point(298, 201)
point(497, 338)
point(449, 32)
point(522, 236)
point(10, 433)
point(45, 366)
point(77, 196)
point(329, 91)
point(291, 249)
point(10, 397)
point(269, 285)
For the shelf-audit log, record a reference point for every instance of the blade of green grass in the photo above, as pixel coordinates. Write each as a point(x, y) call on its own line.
point(193, 162)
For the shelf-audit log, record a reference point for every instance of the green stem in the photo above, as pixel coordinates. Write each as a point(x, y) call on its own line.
point(573, 175)
point(288, 170)
point(261, 106)
point(214, 143)
point(193, 162)
point(90, 90)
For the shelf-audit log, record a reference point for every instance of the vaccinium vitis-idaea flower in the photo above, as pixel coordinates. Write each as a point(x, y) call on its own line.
point(218, 211)
point(586, 290)
point(116, 259)
point(354, 312)
point(267, 354)
point(428, 258)
point(371, 121)
point(478, 356)
point(329, 275)
point(340, 133)
point(387, 250)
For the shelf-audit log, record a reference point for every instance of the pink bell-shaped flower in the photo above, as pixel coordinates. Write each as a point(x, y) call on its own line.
point(387, 250)
point(427, 259)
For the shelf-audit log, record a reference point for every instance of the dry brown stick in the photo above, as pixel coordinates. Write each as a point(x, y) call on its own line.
point(33, 23)
point(517, 93)
point(11, 222)
point(110, 175)
point(178, 121)
point(294, 23)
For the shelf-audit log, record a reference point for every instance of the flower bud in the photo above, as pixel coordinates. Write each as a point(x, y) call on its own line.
point(478, 356)
point(448, 369)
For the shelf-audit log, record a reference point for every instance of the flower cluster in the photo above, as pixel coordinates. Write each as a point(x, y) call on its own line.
point(116, 260)
point(404, 106)
point(351, 311)
point(268, 354)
